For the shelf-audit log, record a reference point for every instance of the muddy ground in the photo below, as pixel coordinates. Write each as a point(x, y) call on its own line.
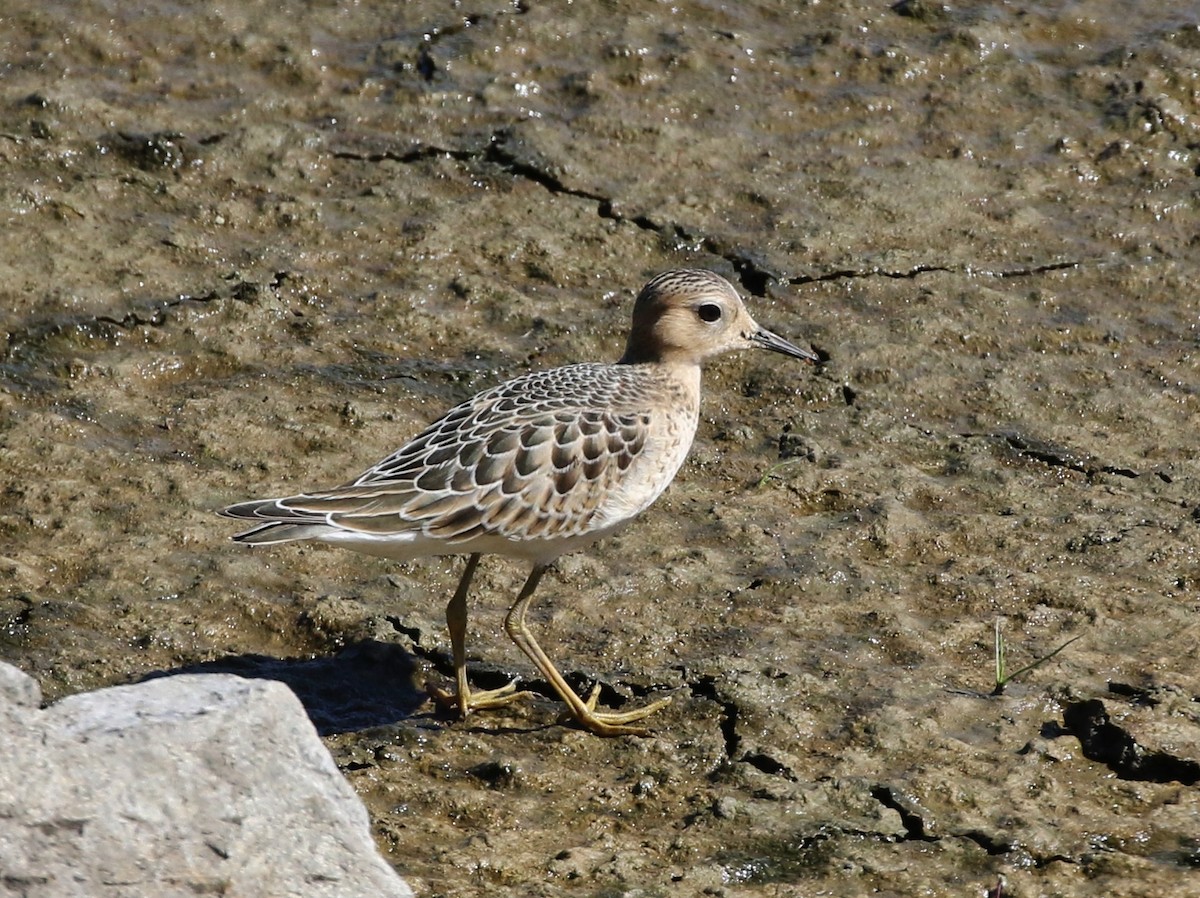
point(249, 248)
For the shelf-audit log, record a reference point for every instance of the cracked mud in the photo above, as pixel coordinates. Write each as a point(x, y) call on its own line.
point(251, 248)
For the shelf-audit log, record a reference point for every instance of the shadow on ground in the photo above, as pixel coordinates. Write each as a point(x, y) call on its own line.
point(368, 684)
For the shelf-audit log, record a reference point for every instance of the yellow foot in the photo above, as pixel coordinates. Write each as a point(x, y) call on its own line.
point(613, 723)
point(476, 701)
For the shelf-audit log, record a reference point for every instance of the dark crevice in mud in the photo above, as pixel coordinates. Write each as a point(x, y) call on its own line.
point(27, 343)
point(150, 313)
point(992, 846)
point(754, 279)
point(101, 325)
point(910, 817)
point(1058, 457)
point(1148, 696)
point(1104, 742)
point(852, 273)
point(918, 829)
point(427, 38)
point(413, 633)
point(608, 210)
point(1052, 455)
point(1029, 271)
point(766, 764)
point(407, 157)
point(1000, 848)
point(496, 152)
point(706, 687)
point(425, 65)
point(753, 275)
point(158, 314)
point(917, 270)
point(499, 154)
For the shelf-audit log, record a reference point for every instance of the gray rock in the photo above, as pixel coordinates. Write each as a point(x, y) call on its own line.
point(185, 785)
point(17, 688)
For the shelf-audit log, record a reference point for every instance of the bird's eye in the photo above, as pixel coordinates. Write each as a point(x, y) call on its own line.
point(709, 312)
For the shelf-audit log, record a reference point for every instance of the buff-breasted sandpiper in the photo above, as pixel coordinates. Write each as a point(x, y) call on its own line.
point(537, 467)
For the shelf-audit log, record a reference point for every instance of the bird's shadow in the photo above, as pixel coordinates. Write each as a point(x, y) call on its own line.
point(366, 684)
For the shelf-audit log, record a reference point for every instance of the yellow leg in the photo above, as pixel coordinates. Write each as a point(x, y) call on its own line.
point(456, 623)
point(602, 723)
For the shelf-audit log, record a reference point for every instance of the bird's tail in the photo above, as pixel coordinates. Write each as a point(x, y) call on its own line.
point(279, 532)
point(273, 525)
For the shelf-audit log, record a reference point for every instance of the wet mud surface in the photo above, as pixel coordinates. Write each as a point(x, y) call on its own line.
point(252, 248)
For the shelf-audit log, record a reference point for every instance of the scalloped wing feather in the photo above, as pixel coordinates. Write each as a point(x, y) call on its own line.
point(534, 458)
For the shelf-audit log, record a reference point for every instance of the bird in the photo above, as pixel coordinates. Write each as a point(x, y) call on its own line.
point(536, 467)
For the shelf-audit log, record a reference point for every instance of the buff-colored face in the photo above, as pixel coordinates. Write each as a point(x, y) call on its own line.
point(689, 315)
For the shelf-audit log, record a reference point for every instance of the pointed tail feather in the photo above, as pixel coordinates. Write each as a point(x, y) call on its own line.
point(277, 532)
